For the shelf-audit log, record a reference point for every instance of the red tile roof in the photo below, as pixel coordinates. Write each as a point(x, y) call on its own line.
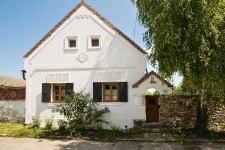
point(147, 76)
point(82, 3)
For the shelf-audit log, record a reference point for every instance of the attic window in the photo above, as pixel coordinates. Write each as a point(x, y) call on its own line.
point(152, 80)
point(94, 42)
point(71, 42)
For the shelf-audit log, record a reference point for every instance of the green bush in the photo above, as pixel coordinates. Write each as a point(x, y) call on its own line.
point(49, 123)
point(81, 112)
point(62, 125)
point(36, 122)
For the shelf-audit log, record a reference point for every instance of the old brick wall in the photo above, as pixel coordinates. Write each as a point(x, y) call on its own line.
point(178, 110)
point(12, 104)
point(12, 93)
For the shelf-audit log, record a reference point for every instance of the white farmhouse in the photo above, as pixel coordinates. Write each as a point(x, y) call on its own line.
point(85, 52)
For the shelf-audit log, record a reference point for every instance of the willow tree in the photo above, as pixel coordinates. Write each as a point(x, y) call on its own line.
point(187, 36)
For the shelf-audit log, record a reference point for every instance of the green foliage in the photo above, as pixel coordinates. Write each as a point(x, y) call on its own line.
point(114, 128)
point(185, 88)
point(81, 112)
point(62, 125)
point(187, 37)
point(36, 122)
point(2, 86)
point(49, 123)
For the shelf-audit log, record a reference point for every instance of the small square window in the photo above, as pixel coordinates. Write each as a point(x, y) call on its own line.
point(71, 42)
point(94, 41)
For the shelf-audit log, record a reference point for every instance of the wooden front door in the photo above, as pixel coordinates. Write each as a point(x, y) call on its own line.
point(152, 109)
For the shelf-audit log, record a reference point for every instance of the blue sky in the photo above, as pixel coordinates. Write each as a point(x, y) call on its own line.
point(25, 22)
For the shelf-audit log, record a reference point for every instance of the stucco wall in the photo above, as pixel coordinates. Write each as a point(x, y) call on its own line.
point(12, 110)
point(12, 104)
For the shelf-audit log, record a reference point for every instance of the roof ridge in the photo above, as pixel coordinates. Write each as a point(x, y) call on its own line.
point(85, 4)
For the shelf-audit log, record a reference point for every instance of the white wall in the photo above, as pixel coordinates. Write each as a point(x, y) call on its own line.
point(139, 93)
point(116, 55)
point(14, 110)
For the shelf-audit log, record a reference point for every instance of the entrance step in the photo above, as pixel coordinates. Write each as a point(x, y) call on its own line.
point(151, 127)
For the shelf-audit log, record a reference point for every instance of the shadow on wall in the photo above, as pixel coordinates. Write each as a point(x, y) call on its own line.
point(40, 106)
point(8, 114)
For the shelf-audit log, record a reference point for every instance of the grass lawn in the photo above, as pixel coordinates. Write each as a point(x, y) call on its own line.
point(20, 130)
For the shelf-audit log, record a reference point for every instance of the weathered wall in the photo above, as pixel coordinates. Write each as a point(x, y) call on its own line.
point(216, 112)
point(12, 104)
point(178, 110)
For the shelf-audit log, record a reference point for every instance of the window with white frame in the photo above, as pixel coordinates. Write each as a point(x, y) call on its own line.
point(94, 41)
point(71, 42)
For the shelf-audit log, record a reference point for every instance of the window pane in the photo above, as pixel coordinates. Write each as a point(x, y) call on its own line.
point(72, 43)
point(107, 92)
point(114, 92)
point(94, 42)
point(56, 98)
point(56, 92)
point(114, 97)
point(107, 98)
point(56, 87)
point(107, 86)
point(63, 93)
point(114, 86)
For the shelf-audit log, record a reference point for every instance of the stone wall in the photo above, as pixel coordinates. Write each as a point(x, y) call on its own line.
point(216, 113)
point(176, 110)
point(179, 110)
point(12, 105)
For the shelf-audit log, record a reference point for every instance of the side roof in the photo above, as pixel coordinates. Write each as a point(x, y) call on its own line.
point(83, 3)
point(135, 85)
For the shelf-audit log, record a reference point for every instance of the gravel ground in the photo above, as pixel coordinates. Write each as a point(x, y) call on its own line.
point(9, 143)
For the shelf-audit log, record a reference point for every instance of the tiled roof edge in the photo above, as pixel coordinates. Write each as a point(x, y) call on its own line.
point(147, 76)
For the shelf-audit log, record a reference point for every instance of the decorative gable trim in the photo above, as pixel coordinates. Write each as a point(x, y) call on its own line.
point(82, 3)
point(147, 76)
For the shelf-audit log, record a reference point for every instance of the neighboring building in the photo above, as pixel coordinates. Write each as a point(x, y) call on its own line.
point(85, 52)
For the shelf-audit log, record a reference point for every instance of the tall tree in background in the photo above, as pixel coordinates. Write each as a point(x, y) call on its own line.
point(187, 36)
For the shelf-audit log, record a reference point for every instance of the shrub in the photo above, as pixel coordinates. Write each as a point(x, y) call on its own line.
point(62, 125)
point(49, 123)
point(81, 112)
point(36, 122)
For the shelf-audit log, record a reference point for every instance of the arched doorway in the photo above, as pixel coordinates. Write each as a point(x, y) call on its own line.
point(152, 105)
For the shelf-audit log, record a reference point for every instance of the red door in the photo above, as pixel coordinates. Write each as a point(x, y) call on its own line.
point(152, 109)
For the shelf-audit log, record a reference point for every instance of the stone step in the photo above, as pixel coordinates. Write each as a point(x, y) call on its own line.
point(154, 127)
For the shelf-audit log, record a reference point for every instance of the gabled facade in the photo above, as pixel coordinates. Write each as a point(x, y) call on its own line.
point(85, 52)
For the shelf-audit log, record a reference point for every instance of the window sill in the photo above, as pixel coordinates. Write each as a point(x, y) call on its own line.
point(71, 48)
point(94, 48)
point(51, 105)
point(111, 103)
